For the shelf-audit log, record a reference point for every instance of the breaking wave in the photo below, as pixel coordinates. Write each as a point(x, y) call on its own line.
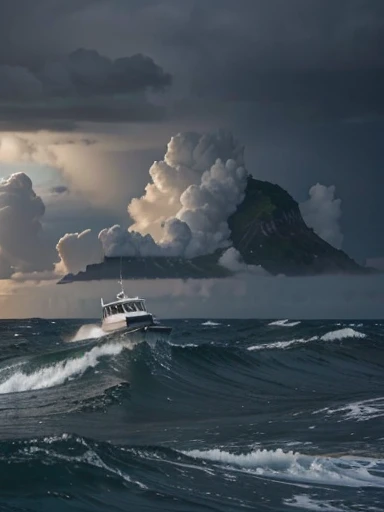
point(246, 417)
point(341, 334)
point(60, 372)
point(294, 466)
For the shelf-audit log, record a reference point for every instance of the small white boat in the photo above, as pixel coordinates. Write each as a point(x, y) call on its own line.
point(125, 313)
point(131, 315)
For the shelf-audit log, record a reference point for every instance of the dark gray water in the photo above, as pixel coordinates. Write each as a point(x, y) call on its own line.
point(225, 416)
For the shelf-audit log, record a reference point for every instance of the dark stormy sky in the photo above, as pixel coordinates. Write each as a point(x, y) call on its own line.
point(300, 83)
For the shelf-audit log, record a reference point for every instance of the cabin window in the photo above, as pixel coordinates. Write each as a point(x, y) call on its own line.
point(120, 308)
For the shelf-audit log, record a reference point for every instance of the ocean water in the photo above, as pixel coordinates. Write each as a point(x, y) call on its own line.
point(226, 415)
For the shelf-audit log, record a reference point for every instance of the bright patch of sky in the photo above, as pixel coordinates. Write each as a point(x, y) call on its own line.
point(42, 176)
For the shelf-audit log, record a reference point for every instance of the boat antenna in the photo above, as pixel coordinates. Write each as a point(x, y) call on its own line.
point(121, 295)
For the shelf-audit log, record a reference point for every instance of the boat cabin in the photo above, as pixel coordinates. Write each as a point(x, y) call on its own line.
point(124, 307)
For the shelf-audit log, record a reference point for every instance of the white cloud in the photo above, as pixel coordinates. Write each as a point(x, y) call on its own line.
point(77, 250)
point(322, 212)
point(184, 212)
point(232, 260)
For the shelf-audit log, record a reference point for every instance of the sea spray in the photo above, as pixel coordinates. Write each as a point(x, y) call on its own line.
point(88, 332)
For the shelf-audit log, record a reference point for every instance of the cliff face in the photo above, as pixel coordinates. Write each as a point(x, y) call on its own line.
point(267, 229)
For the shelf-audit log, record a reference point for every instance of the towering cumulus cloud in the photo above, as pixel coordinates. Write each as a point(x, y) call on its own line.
point(77, 250)
point(184, 212)
point(22, 247)
point(322, 212)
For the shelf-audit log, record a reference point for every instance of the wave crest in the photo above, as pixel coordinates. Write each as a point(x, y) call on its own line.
point(341, 334)
point(58, 373)
point(346, 472)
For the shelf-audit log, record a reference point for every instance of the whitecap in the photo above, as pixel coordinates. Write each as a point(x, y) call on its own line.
point(210, 323)
point(296, 467)
point(59, 373)
point(284, 323)
point(341, 334)
point(277, 344)
point(281, 344)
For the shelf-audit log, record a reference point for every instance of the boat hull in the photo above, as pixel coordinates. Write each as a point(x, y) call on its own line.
point(128, 324)
point(160, 329)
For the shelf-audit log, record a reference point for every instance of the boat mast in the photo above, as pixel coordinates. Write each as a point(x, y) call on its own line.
point(121, 294)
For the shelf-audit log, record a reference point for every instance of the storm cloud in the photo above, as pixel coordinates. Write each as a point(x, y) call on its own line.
point(40, 87)
point(300, 82)
point(309, 60)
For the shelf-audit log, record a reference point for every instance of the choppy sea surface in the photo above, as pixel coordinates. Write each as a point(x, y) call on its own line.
point(226, 415)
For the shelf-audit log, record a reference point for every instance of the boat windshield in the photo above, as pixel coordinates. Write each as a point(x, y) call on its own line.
point(131, 307)
point(126, 307)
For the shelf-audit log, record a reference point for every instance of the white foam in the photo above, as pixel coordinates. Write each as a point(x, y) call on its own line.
point(56, 374)
point(341, 334)
point(307, 503)
point(359, 411)
point(184, 345)
point(209, 322)
point(281, 344)
point(88, 332)
point(284, 323)
point(277, 344)
point(293, 466)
